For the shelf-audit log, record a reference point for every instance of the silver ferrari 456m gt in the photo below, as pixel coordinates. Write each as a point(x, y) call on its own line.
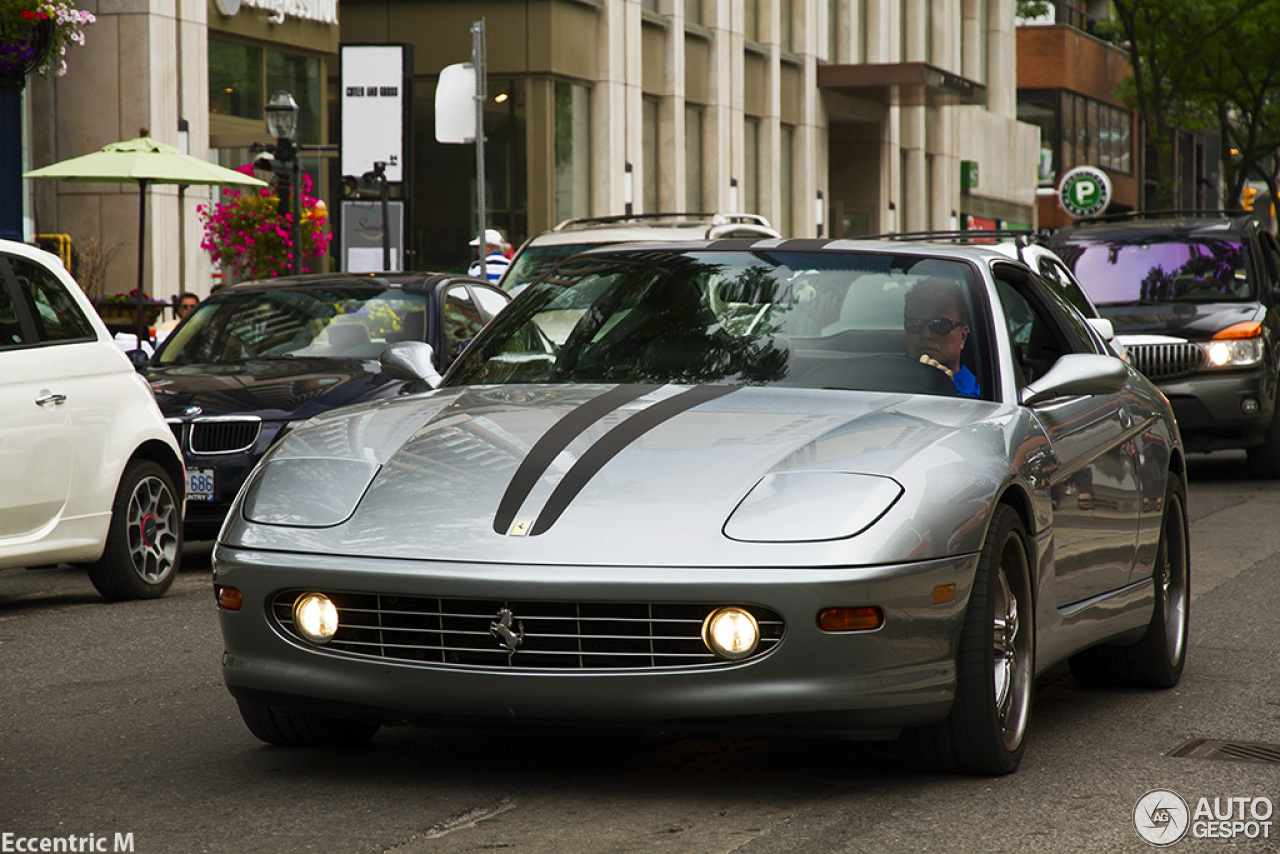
point(852, 488)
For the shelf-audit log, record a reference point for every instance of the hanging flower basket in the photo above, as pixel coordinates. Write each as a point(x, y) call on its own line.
point(25, 48)
point(35, 35)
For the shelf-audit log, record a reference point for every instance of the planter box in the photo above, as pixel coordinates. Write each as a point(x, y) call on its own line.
point(119, 312)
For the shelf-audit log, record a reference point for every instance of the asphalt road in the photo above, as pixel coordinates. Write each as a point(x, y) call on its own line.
point(113, 720)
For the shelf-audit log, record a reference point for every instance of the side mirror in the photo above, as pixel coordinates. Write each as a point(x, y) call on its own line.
point(139, 358)
point(1102, 326)
point(1077, 373)
point(410, 360)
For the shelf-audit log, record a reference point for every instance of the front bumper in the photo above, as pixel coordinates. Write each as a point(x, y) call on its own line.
point(1210, 408)
point(902, 674)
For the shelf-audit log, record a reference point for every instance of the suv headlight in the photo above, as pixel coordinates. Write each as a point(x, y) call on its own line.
point(1237, 346)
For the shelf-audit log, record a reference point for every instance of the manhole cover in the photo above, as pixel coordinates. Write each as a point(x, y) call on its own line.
point(1232, 751)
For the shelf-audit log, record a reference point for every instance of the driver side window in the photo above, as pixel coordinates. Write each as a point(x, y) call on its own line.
point(1042, 327)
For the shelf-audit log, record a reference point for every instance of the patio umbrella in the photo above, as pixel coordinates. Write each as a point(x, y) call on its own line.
point(146, 161)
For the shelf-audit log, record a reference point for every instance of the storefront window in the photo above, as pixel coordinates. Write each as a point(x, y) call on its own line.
point(573, 150)
point(786, 175)
point(650, 146)
point(751, 165)
point(242, 78)
point(1092, 133)
point(300, 77)
point(1038, 108)
point(235, 80)
point(693, 158)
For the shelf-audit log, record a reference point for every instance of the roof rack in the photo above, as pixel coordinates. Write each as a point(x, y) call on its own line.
point(1023, 236)
point(674, 216)
point(1192, 212)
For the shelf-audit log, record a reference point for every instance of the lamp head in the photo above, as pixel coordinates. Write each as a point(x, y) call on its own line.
point(282, 116)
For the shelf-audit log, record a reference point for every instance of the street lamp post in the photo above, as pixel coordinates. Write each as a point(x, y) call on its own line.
point(282, 123)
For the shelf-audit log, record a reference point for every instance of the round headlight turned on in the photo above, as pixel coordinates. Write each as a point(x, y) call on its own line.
point(315, 617)
point(731, 633)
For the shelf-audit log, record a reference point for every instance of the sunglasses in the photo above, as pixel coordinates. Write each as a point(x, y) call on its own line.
point(937, 325)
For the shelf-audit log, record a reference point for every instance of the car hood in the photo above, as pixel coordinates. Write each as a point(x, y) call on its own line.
point(659, 476)
point(283, 389)
point(1193, 321)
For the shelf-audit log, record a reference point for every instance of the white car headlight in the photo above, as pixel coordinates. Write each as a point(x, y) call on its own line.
point(1238, 353)
point(315, 617)
point(731, 633)
point(811, 506)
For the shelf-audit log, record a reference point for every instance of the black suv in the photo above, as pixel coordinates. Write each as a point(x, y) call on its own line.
point(1195, 298)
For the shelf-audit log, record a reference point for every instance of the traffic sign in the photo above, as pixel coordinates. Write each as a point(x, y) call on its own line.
point(1084, 191)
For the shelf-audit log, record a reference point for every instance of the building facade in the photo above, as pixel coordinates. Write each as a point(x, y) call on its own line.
point(829, 117)
point(832, 118)
point(1069, 87)
point(190, 73)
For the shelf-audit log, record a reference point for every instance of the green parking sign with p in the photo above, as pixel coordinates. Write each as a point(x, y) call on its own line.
point(1084, 191)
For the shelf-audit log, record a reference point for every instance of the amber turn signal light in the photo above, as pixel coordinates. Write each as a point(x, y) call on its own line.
point(228, 597)
point(864, 619)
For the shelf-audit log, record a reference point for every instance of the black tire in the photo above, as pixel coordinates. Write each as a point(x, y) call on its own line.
point(1155, 661)
point(985, 733)
point(144, 541)
point(295, 729)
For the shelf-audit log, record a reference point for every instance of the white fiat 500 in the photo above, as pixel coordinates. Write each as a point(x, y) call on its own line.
point(89, 471)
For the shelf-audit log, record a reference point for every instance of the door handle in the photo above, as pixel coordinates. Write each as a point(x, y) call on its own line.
point(51, 397)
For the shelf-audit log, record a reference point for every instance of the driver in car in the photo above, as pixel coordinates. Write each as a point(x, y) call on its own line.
point(936, 321)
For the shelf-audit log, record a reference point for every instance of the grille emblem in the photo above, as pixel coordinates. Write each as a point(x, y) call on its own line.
point(192, 410)
point(508, 630)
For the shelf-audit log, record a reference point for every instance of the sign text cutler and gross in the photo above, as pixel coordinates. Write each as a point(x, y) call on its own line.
point(372, 91)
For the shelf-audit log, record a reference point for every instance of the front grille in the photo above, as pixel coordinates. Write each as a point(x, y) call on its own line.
point(556, 635)
point(175, 427)
point(1165, 361)
point(224, 435)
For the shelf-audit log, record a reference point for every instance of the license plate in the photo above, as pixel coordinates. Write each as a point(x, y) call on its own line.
point(199, 484)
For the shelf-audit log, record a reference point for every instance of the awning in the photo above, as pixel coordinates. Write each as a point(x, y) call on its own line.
point(901, 83)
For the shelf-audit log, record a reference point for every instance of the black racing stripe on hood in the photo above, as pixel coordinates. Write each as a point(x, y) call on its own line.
point(614, 442)
point(555, 440)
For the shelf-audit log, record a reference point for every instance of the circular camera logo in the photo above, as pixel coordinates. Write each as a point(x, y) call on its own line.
point(1161, 817)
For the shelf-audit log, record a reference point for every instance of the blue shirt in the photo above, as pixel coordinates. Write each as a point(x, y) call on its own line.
point(966, 383)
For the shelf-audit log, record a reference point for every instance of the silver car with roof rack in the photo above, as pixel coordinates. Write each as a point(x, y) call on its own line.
point(543, 251)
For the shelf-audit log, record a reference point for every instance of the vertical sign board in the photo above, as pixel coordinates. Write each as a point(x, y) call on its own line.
point(373, 108)
point(362, 236)
point(375, 100)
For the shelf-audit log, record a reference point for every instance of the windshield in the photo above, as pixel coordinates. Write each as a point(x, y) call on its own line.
point(534, 261)
point(338, 321)
point(1181, 270)
point(809, 319)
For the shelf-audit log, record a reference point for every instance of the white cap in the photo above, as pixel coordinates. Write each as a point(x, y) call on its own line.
point(492, 237)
